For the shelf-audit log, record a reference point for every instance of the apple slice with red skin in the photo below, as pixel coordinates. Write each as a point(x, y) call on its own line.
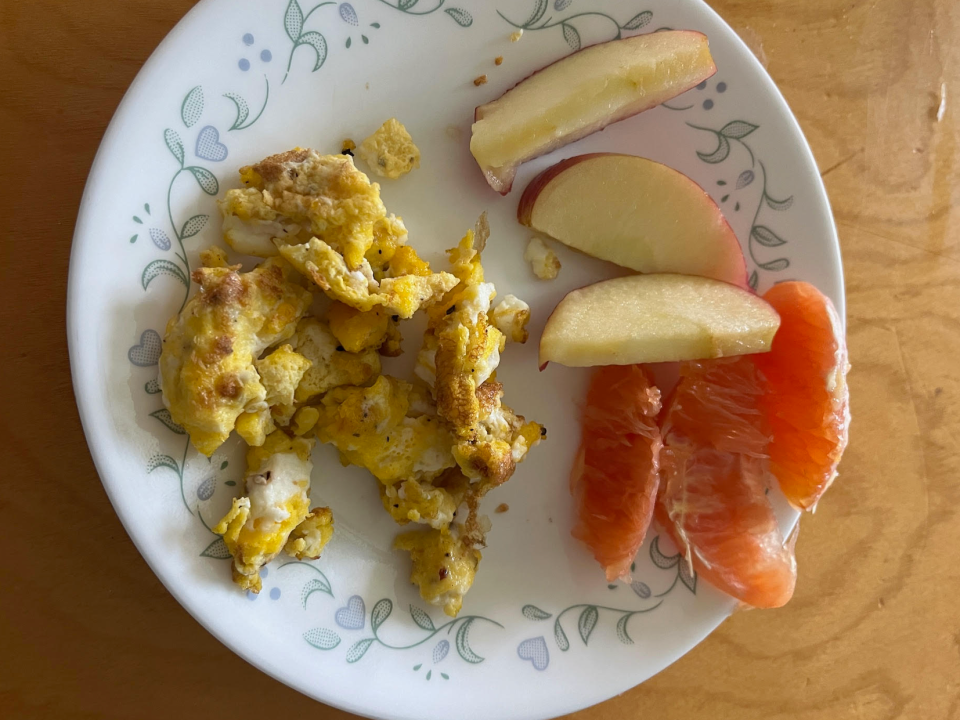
point(662, 317)
point(634, 212)
point(582, 93)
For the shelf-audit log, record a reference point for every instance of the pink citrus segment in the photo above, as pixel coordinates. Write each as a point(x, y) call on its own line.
point(714, 506)
point(717, 404)
point(615, 478)
point(713, 494)
point(808, 403)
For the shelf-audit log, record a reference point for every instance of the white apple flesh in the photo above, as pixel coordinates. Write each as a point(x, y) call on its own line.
point(583, 93)
point(636, 213)
point(656, 318)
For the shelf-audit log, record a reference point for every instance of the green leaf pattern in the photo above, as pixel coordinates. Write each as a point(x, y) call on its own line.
point(571, 35)
point(162, 267)
point(192, 226)
point(381, 611)
point(174, 144)
point(243, 110)
point(163, 416)
point(421, 618)
point(359, 649)
point(322, 639)
point(318, 43)
point(532, 612)
point(622, 634)
point(587, 622)
point(761, 235)
point(205, 179)
point(192, 107)
point(766, 237)
point(560, 636)
point(460, 16)
point(217, 550)
point(315, 585)
point(293, 20)
point(463, 643)
point(160, 460)
point(638, 21)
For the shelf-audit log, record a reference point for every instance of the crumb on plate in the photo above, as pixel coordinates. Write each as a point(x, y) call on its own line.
point(481, 80)
point(502, 508)
point(515, 36)
point(498, 60)
point(390, 151)
point(543, 261)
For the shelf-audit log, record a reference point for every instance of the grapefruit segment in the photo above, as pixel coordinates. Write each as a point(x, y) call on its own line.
point(808, 403)
point(713, 499)
point(714, 506)
point(615, 477)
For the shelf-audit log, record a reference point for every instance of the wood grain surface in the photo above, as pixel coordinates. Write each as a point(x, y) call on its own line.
point(87, 631)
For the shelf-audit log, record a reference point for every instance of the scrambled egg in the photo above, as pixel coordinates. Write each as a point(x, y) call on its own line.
point(331, 365)
point(384, 428)
point(461, 348)
point(281, 372)
point(403, 295)
point(460, 353)
point(390, 151)
point(435, 449)
point(254, 427)
point(510, 317)
point(309, 537)
point(250, 224)
point(392, 341)
point(444, 567)
point(302, 192)
point(489, 455)
point(304, 420)
point(215, 257)
point(356, 330)
point(207, 366)
point(431, 502)
point(325, 216)
point(543, 261)
point(274, 511)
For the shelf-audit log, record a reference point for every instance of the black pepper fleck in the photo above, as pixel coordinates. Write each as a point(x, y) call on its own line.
point(543, 432)
point(443, 573)
point(348, 151)
point(451, 309)
point(396, 506)
point(395, 318)
point(339, 348)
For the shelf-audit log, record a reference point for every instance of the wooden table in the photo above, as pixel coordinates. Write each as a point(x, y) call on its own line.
point(86, 630)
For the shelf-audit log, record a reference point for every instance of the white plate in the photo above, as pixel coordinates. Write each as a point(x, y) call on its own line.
point(237, 80)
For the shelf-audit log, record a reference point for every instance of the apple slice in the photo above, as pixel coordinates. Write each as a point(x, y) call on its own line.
point(636, 213)
point(583, 93)
point(656, 318)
